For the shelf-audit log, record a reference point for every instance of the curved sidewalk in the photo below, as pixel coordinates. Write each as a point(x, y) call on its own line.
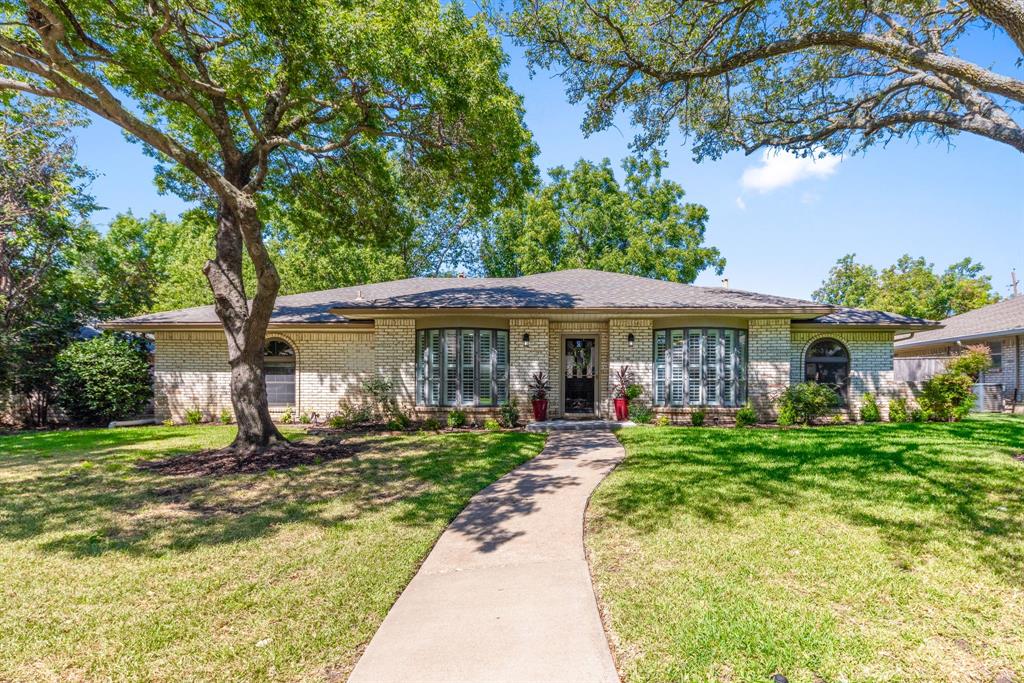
point(505, 595)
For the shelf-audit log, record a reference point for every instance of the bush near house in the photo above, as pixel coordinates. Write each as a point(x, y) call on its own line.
point(869, 411)
point(802, 403)
point(949, 396)
point(103, 379)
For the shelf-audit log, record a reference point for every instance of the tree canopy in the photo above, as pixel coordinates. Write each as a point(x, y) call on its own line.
point(237, 98)
point(584, 218)
point(801, 74)
point(911, 287)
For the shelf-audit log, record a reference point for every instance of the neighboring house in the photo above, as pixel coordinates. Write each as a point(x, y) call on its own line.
point(999, 326)
point(473, 343)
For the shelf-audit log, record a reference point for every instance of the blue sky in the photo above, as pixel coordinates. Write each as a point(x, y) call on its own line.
point(781, 229)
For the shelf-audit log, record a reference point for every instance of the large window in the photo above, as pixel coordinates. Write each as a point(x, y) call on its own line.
point(461, 367)
point(828, 362)
point(700, 366)
point(279, 373)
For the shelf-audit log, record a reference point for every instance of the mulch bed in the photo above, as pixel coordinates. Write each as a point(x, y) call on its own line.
point(224, 461)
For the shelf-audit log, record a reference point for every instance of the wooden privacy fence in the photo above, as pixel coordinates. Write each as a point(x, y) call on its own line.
point(915, 370)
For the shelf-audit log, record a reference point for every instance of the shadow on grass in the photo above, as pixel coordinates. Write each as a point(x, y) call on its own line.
point(105, 504)
point(915, 484)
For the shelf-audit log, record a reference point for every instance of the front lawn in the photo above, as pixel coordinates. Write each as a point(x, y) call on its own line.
point(856, 553)
point(112, 571)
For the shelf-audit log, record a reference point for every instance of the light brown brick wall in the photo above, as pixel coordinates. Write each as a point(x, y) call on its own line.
point(639, 357)
point(1009, 375)
point(524, 360)
point(768, 359)
point(870, 364)
point(191, 371)
point(395, 357)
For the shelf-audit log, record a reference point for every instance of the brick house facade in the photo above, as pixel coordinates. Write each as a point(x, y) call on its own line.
point(476, 343)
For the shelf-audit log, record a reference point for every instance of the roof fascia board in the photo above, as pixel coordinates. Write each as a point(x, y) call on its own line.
point(911, 343)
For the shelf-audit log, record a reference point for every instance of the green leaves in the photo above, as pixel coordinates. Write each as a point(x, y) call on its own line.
point(584, 218)
point(797, 74)
point(103, 379)
point(909, 287)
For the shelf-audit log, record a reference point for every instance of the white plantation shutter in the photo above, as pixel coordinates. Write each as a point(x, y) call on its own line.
point(678, 360)
point(468, 355)
point(660, 352)
point(728, 369)
point(501, 365)
point(486, 396)
point(694, 361)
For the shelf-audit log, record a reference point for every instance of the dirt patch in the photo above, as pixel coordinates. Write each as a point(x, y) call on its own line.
point(1019, 457)
point(224, 461)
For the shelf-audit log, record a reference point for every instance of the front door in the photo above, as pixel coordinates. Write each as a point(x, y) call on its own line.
point(580, 376)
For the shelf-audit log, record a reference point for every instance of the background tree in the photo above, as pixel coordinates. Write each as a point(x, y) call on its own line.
point(233, 96)
point(583, 218)
point(43, 208)
point(799, 74)
point(911, 286)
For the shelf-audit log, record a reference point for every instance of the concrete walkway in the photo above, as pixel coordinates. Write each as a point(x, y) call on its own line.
point(505, 595)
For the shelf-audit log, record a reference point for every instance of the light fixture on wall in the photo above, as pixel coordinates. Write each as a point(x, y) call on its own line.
point(631, 339)
point(526, 339)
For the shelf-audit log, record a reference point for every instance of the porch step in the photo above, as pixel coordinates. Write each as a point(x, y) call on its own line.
point(576, 425)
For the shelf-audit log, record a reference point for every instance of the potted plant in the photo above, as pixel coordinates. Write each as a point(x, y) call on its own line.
point(539, 387)
point(625, 389)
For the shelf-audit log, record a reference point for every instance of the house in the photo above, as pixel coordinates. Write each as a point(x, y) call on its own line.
point(999, 326)
point(475, 342)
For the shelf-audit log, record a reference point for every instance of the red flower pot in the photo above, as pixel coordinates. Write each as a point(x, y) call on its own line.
point(621, 409)
point(540, 409)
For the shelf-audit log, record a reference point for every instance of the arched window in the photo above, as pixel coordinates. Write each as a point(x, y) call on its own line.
point(279, 373)
point(828, 362)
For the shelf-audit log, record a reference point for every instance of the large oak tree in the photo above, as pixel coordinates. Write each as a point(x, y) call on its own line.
point(807, 75)
point(235, 96)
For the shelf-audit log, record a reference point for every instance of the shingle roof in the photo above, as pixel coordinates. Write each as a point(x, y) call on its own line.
point(560, 290)
point(1003, 317)
point(860, 316)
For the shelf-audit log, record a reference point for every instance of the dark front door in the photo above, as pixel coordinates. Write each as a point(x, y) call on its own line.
point(580, 376)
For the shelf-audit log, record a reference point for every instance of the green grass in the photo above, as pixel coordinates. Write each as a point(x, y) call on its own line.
point(108, 571)
point(858, 553)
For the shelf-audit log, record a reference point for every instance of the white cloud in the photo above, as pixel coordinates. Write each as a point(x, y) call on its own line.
point(740, 204)
point(780, 168)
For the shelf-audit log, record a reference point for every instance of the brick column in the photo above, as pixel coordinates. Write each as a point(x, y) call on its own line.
point(395, 356)
point(524, 360)
point(639, 357)
point(768, 356)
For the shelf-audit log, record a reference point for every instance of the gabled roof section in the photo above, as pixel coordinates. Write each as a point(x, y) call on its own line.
point(1004, 317)
point(565, 289)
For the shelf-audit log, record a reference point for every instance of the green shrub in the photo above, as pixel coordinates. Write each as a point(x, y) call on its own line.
point(898, 410)
point(634, 391)
point(288, 416)
point(746, 416)
point(802, 403)
point(305, 418)
point(492, 425)
point(102, 379)
point(508, 413)
point(919, 415)
point(948, 397)
point(972, 362)
point(869, 410)
point(399, 420)
point(431, 424)
point(697, 418)
point(641, 413)
point(168, 423)
point(663, 421)
point(456, 418)
point(226, 416)
point(193, 416)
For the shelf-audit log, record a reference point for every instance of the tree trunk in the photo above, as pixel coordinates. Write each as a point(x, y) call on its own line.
point(245, 326)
